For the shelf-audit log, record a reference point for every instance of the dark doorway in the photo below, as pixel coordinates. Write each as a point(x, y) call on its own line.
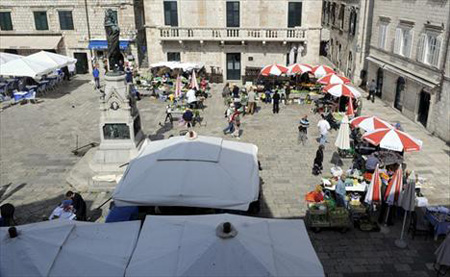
point(398, 103)
point(82, 66)
point(379, 91)
point(233, 66)
point(424, 107)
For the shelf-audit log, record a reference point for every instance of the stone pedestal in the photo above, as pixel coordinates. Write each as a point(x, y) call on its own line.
point(120, 126)
point(120, 135)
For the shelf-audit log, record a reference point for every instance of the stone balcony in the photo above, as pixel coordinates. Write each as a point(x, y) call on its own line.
point(232, 34)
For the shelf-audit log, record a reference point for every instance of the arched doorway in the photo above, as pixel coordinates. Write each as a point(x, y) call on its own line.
point(379, 91)
point(424, 107)
point(398, 103)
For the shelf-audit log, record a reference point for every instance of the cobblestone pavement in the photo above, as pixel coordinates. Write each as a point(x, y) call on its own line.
point(37, 139)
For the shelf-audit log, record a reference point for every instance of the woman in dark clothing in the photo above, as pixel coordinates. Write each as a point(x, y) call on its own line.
point(318, 160)
point(78, 204)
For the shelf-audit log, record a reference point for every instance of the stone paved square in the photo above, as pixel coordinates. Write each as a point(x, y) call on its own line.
point(37, 140)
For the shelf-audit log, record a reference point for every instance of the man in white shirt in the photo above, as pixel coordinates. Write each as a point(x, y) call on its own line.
point(324, 126)
point(191, 98)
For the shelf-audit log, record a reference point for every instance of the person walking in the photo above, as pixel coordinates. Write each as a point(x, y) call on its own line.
point(251, 101)
point(96, 74)
point(276, 102)
point(235, 91)
point(226, 92)
point(318, 160)
point(237, 124)
point(372, 90)
point(303, 130)
point(228, 115)
point(187, 117)
point(323, 126)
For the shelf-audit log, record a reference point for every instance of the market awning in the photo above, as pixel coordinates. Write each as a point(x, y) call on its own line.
point(421, 79)
point(103, 44)
point(30, 42)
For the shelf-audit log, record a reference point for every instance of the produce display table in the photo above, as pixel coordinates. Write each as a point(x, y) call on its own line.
point(317, 218)
point(440, 221)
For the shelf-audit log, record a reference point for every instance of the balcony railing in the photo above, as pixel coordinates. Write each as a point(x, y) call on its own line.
point(233, 34)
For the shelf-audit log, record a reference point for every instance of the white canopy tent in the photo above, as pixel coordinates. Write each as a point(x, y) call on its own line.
point(194, 246)
point(178, 65)
point(7, 57)
point(23, 67)
point(68, 248)
point(51, 58)
point(205, 172)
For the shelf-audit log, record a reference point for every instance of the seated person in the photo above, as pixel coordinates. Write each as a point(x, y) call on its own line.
point(64, 211)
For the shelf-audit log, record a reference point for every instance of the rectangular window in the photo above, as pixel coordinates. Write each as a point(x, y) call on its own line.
point(116, 16)
point(173, 57)
point(341, 16)
point(233, 14)
point(65, 20)
point(5, 21)
point(40, 21)
point(295, 14)
point(382, 36)
point(170, 13)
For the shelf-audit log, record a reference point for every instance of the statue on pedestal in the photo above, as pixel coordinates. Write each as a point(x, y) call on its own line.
point(112, 36)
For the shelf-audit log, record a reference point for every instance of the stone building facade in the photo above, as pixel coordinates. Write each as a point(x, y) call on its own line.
point(346, 36)
point(233, 35)
point(409, 60)
point(71, 27)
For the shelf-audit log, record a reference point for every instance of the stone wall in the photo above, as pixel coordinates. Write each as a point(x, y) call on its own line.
point(253, 14)
point(76, 40)
point(421, 16)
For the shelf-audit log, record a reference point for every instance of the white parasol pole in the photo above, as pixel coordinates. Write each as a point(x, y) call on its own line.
point(401, 243)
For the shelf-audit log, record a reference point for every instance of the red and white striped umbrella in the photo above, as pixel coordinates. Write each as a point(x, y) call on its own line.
point(274, 69)
point(299, 68)
point(339, 90)
point(373, 195)
point(394, 188)
point(393, 139)
point(333, 78)
point(321, 70)
point(194, 83)
point(178, 87)
point(370, 123)
point(350, 111)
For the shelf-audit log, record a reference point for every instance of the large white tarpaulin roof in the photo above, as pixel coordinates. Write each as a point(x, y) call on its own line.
point(190, 246)
point(68, 248)
point(206, 172)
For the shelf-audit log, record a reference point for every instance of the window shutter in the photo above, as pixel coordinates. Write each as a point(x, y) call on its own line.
point(421, 48)
point(398, 40)
point(435, 61)
point(381, 34)
point(409, 44)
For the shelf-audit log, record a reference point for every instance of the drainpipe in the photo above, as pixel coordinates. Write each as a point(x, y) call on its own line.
point(88, 23)
point(445, 59)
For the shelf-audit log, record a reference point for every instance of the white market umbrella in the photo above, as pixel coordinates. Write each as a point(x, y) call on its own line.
point(393, 190)
point(34, 250)
point(68, 248)
point(25, 68)
point(443, 253)
point(333, 78)
point(204, 172)
point(7, 57)
point(407, 202)
point(51, 58)
point(343, 137)
point(97, 249)
point(299, 68)
point(198, 246)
